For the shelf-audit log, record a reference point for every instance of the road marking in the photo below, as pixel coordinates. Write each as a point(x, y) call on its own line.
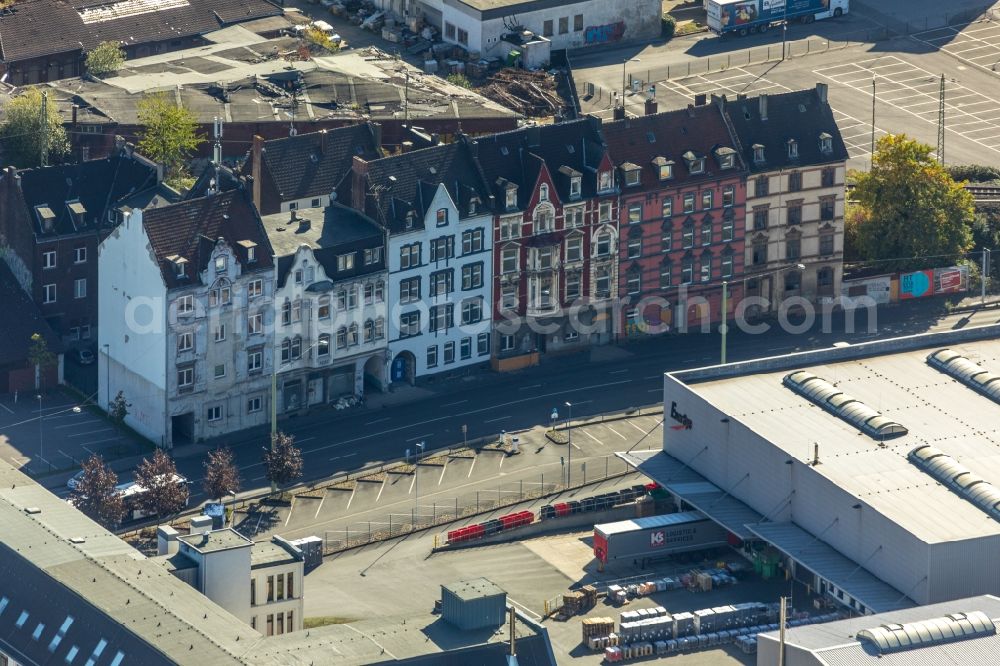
point(533, 386)
point(101, 441)
point(521, 606)
point(500, 466)
point(413, 481)
point(321, 500)
point(452, 404)
point(90, 432)
point(7, 408)
point(85, 448)
point(67, 455)
point(443, 468)
point(655, 377)
point(77, 424)
point(385, 418)
point(304, 439)
point(258, 478)
point(636, 427)
point(499, 418)
point(656, 390)
point(592, 437)
point(346, 455)
point(290, 507)
point(380, 489)
point(581, 402)
point(472, 466)
point(413, 439)
point(353, 490)
point(618, 372)
point(616, 432)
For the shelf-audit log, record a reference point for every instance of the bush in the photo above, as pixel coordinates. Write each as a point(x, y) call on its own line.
point(106, 58)
point(668, 26)
point(974, 173)
point(460, 80)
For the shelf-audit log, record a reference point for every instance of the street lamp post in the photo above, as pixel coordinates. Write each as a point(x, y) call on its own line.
point(416, 480)
point(41, 442)
point(624, 64)
point(569, 455)
point(107, 375)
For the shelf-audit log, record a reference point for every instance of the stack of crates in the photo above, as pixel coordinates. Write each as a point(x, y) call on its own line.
point(613, 654)
point(683, 624)
point(597, 627)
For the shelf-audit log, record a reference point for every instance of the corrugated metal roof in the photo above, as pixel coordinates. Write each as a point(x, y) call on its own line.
point(650, 521)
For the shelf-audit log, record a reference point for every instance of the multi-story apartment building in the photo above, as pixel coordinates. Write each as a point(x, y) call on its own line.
point(435, 207)
point(682, 209)
point(186, 315)
point(795, 194)
point(555, 196)
point(331, 303)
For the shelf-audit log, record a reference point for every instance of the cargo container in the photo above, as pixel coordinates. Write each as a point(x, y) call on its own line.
point(742, 17)
point(656, 536)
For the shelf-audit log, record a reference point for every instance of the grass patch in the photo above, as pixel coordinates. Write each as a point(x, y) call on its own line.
point(688, 28)
point(324, 620)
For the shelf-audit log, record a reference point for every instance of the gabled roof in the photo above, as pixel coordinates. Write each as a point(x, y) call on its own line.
point(801, 115)
point(96, 185)
point(21, 319)
point(36, 28)
point(399, 185)
point(699, 130)
point(313, 165)
point(190, 230)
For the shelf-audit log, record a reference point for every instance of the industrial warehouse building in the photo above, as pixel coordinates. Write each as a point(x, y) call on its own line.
point(874, 469)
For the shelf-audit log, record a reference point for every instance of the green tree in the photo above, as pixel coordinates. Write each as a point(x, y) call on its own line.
point(913, 212)
point(25, 135)
point(321, 39)
point(40, 357)
point(460, 80)
point(169, 135)
point(96, 494)
point(105, 58)
point(283, 461)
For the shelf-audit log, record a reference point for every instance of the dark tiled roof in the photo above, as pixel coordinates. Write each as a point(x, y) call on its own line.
point(799, 115)
point(313, 165)
point(21, 319)
point(98, 185)
point(408, 182)
point(669, 135)
point(191, 228)
point(216, 177)
point(35, 28)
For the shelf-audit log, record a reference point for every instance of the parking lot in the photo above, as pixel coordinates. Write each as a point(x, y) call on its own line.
point(977, 44)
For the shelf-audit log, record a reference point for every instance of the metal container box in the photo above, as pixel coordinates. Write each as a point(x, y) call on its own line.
point(656, 536)
point(473, 604)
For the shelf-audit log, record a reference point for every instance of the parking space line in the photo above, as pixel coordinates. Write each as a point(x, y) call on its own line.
point(385, 418)
point(323, 499)
point(7, 408)
point(443, 468)
point(593, 438)
point(499, 418)
point(351, 499)
point(413, 439)
point(452, 404)
point(101, 441)
point(89, 432)
point(291, 506)
point(72, 425)
point(636, 427)
point(472, 467)
point(616, 432)
point(416, 469)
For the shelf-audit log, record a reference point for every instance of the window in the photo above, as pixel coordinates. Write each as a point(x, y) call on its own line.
point(510, 229)
point(449, 30)
point(604, 181)
point(635, 213)
point(296, 348)
point(573, 217)
point(667, 208)
point(345, 262)
point(825, 143)
point(793, 248)
point(323, 307)
point(80, 288)
point(795, 181)
point(463, 37)
point(296, 310)
point(49, 259)
point(251, 254)
point(472, 311)
point(758, 153)
point(666, 274)
point(687, 270)
point(465, 349)
point(379, 291)
point(706, 232)
point(793, 149)
point(409, 290)
point(253, 583)
point(689, 202)
point(220, 332)
point(574, 186)
point(603, 282)
point(442, 217)
point(483, 344)
point(706, 199)
point(543, 258)
point(409, 256)
point(824, 281)
point(373, 255)
point(255, 360)
point(603, 245)
point(794, 212)
point(342, 337)
point(793, 280)
point(220, 264)
point(511, 199)
point(432, 356)
point(697, 166)
point(323, 346)
point(185, 377)
point(634, 248)
point(759, 254)
point(352, 297)
point(572, 285)
point(409, 324)
point(255, 288)
point(666, 237)
point(185, 341)
point(79, 255)
point(472, 276)
point(449, 348)
point(828, 177)
point(281, 593)
point(563, 25)
point(509, 260)
point(441, 283)
point(472, 241)
point(270, 616)
point(442, 248)
point(826, 243)
point(728, 196)
point(727, 265)
point(506, 343)
point(85, 332)
point(544, 218)
point(543, 192)
point(352, 335)
point(508, 296)
point(286, 313)
point(255, 324)
point(687, 235)
point(827, 207)
point(727, 228)
point(290, 589)
point(369, 331)
point(632, 177)
point(667, 171)
point(49, 293)
point(574, 248)
point(220, 296)
point(369, 293)
point(441, 317)
point(220, 371)
point(546, 31)
point(379, 328)
point(633, 280)
point(706, 267)
point(760, 214)
point(342, 300)
point(761, 186)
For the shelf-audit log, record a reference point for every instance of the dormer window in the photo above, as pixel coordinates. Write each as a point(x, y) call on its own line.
point(251, 250)
point(695, 164)
point(632, 172)
point(220, 264)
point(409, 219)
point(825, 143)
point(574, 186)
point(46, 218)
point(793, 149)
point(511, 201)
point(543, 192)
point(442, 217)
point(604, 181)
point(726, 157)
point(664, 168)
point(758, 153)
point(473, 205)
point(180, 265)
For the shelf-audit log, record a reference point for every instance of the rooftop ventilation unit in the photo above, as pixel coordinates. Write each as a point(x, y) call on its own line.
point(947, 629)
point(821, 392)
point(959, 478)
point(953, 364)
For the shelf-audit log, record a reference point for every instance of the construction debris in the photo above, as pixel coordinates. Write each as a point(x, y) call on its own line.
point(530, 93)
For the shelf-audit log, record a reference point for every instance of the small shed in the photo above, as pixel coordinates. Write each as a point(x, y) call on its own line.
point(473, 604)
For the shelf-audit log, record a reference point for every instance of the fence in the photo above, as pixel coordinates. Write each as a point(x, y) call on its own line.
point(907, 26)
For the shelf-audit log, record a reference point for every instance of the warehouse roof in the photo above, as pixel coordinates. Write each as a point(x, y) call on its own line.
point(902, 387)
point(475, 588)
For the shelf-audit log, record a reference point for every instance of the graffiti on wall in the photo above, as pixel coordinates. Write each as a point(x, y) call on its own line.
point(602, 34)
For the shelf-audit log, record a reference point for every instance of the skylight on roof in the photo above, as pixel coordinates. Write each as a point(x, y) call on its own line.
point(974, 376)
point(947, 629)
point(955, 476)
point(117, 10)
point(824, 394)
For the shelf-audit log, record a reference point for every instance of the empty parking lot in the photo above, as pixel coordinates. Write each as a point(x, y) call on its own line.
point(977, 44)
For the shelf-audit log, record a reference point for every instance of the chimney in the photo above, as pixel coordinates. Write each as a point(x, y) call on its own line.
point(763, 106)
point(821, 91)
point(619, 113)
point(75, 109)
point(322, 142)
point(258, 157)
point(377, 134)
point(700, 99)
point(815, 454)
point(534, 136)
point(359, 183)
point(651, 107)
point(406, 146)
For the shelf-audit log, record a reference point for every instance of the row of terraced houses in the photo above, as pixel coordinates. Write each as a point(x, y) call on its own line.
point(340, 269)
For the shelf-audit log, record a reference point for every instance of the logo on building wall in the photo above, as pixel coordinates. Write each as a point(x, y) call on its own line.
point(657, 538)
point(683, 422)
point(602, 34)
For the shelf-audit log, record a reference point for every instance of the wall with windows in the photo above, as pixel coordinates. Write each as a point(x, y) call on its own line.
point(440, 288)
point(276, 605)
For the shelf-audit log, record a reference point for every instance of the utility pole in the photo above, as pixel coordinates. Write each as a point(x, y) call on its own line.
point(217, 134)
point(274, 366)
point(569, 454)
point(724, 327)
point(784, 32)
point(44, 128)
point(782, 618)
point(291, 126)
point(985, 274)
point(940, 143)
point(873, 121)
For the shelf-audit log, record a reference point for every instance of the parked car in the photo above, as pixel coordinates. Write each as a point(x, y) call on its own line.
point(83, 356)
point(74, 480)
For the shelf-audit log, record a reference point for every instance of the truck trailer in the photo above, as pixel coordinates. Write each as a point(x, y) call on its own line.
point(657, 536)
point(742, 17)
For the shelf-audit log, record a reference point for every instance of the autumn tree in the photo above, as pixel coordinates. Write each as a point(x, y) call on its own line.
point(222, 477)
point(25, 136)
point(163, 495)
point(105, 58)
point(169, 135)
point(912, 210)
point(40, 356)
point(96, 493)
point(118, 410)
point(283, 461)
